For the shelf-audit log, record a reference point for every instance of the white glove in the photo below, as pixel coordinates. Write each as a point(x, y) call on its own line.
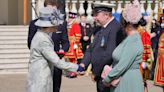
point(144, 65)
point(75, 46)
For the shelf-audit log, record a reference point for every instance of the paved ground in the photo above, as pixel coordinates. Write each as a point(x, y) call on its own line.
point(16, 83)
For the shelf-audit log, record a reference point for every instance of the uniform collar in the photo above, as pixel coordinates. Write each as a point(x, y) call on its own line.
point(108, 22)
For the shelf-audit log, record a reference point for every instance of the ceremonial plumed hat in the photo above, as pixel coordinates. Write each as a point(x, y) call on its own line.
point(72, 15)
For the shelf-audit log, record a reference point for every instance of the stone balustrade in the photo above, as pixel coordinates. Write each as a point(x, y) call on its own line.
point(147, 7)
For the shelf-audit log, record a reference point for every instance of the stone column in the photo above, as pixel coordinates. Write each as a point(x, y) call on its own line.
point(25, 12)
point(34, 13)
point(81, 8)
point(39, 5)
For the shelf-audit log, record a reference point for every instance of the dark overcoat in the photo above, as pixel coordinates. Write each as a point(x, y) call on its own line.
point(85, 31)
point(100, 52)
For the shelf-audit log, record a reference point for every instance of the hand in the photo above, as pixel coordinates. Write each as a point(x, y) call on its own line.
point(143, 64)
point(115, 82)
point(82, 65)
point(87, 46)
point(152, 35)
point(85, 38)
point(93, 77)
point(75, 46)
point(80, 69)
point(105, 83)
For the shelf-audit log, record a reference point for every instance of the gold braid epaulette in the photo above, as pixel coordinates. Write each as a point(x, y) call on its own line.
point(71, 38)
point(147, 46)
point(78, 37)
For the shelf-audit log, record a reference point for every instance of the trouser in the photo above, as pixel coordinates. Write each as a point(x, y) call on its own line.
point(57, 77)
point(100, 86)
point(153, 65)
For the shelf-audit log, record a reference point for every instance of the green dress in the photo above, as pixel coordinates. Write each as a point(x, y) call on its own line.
point(127, 57)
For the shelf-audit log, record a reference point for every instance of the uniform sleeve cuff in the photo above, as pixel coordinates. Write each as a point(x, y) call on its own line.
point(107, 79)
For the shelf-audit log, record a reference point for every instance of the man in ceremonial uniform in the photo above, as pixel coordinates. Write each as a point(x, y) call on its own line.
point(159, 69)
point(74, 35)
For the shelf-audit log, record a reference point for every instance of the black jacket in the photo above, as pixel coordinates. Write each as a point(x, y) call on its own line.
point(85, 31)
point(100, 54)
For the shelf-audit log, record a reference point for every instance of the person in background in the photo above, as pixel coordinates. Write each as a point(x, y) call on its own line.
point(74, 53)
point(61, 6)
point(128, 55)
point(86, 32)
point(155, 34)
point(159, 70)
point(61, 43)
point(105, 41)
point(147, 60)
point(42, 55)
point(31, 32)
point(86, 36)
point(95, 26)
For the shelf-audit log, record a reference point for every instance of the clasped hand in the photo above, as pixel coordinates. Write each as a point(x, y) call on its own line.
point(114, 83)
point(81, 69)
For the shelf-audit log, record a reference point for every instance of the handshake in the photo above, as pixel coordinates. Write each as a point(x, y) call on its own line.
point(81, 69)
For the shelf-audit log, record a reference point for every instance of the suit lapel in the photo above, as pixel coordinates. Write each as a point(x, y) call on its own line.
point(103, 31)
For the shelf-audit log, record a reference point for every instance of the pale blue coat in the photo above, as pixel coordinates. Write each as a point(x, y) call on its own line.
point(42, 58)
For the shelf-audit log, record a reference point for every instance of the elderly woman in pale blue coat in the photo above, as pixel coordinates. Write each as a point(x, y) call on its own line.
point(42, 55)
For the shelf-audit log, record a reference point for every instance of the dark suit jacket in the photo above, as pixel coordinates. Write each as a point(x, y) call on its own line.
point(98, 55)
point(59, 37)
point(31, 32)
point(88, 32)
point(155, 28)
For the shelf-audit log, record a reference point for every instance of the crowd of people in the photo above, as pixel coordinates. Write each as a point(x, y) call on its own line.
point(122, 55)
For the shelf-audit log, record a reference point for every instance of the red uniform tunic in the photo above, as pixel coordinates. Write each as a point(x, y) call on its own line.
point(74, 36)
point(159, 71)
point(147, 56)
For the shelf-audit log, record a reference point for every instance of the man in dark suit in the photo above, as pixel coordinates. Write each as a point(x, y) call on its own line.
point(155, 34)
point(105, 41)
point(86, 32)
point(61, 45)
point(31, 32)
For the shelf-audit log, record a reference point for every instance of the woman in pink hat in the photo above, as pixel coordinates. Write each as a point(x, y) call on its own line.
point(128, 55)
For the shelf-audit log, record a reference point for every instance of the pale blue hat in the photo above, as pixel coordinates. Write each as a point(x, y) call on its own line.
point(49, 17)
